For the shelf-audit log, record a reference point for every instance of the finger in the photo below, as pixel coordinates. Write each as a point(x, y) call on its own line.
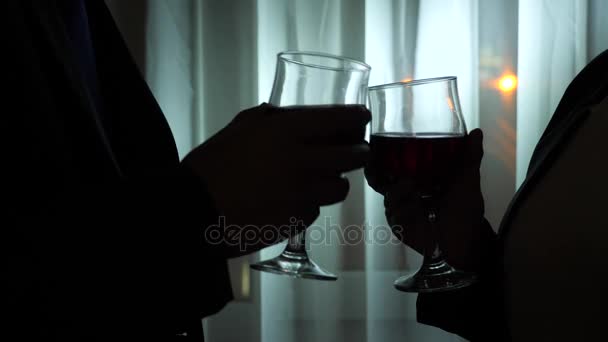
point(399, 192)
point(408, 236)
point(373, 180)
point(296, 214)
point(338, 124)
point(308, 214)
point(253, 113)
point(407, 229)
point(475, 147)
point(328, 191)
point(399, 231)
point(332, 160)
point(402, 213)
point(468, 176)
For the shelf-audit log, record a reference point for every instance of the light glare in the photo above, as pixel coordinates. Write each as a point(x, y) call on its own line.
point(507, 83)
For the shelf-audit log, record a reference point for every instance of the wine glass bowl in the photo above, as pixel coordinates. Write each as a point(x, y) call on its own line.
point(314, 78)
point(418, 135)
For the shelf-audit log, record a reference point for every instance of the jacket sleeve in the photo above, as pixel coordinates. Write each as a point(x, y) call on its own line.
point(115, 258)
point(476, 312)
point(90, 258)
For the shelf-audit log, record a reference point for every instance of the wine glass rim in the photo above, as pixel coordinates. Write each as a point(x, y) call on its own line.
point(413, 82)
point(363, 66)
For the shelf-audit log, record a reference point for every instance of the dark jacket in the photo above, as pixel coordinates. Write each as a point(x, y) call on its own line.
point(101, 224)
point(478, 313)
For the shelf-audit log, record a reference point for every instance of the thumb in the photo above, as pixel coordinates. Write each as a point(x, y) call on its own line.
point(474, 148)
point(253, 113)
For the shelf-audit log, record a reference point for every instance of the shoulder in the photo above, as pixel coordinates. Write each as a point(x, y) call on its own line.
point(554, 257)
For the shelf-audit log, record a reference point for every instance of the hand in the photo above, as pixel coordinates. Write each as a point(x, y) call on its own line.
point(272, 165)
point(460, 210)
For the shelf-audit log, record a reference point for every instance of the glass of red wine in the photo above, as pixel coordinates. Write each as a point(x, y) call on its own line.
point(312, 79)
point(418, 135)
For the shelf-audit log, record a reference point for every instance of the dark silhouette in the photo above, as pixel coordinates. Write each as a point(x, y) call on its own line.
point(102, 226)
point(493, 309)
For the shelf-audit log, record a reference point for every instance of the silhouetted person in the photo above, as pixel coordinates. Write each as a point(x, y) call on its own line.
point(103, 228)
point(542, 278)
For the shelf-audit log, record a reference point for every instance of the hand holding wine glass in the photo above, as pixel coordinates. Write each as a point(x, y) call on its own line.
point(460, 206)
point(419, 138)
point(302, 80)
point(264, 170)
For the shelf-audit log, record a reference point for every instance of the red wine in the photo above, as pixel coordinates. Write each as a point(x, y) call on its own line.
point(428, 158)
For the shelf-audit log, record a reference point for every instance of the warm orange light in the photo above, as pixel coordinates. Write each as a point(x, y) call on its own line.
point(507, 83)
point(451, 104)
point(407, 79)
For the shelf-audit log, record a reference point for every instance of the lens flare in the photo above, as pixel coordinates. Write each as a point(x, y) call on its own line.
point(507, 83)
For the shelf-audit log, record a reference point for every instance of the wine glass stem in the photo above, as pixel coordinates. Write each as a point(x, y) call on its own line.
point(432, 251)
point(297, 244)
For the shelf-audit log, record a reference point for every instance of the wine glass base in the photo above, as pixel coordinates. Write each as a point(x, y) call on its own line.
point(294, 266)
point(439, 277)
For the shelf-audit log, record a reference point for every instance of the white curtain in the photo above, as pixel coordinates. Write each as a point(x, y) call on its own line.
point(206, 60)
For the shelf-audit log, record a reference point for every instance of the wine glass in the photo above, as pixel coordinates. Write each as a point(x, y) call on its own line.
point(311, 78)
point(418, 134)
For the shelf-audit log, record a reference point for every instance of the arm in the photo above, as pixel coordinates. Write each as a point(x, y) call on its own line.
point(84, 252)
point(117, 258)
